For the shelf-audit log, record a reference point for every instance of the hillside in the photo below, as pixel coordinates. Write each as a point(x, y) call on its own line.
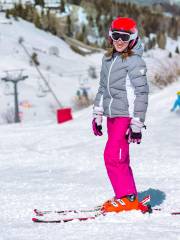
point(66, 71)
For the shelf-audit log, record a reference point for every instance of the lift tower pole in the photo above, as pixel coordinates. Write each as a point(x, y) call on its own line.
point(15, 80)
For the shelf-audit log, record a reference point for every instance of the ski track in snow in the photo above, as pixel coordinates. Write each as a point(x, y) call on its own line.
point(50, 166)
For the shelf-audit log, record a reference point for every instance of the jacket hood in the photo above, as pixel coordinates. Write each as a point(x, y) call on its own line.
point(138, 49)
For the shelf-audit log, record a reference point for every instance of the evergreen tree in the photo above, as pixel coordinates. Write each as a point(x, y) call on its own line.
point(19, 9)
point(149, 45)
point(76, 2)
point(14, 13)
point(177, 50)
point(37, 20)
point(7, 14)
point(52, 22)
point(170, 55)
point(62, 6)
point(153, 42)
point(29, 13)
point(69, 26)
point(161, 40)
point(39, 2)
point(173, 28)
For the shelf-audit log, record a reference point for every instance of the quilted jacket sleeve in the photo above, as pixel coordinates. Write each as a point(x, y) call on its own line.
point(98, 102)
point(137, 75)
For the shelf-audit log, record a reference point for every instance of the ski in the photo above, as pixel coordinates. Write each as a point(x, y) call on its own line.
point(161, 210)
point(63, 215)
point(46, 219)
point(37, 212)
point(64, 212)
point(62, 220)
point(175, 213)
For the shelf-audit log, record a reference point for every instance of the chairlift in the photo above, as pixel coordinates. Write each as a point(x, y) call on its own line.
point(84, 84)
point(40, 92)
point(45, 89)
point(42, 88)
point(83, 80)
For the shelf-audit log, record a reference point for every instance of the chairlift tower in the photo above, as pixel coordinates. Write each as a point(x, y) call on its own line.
point(15, 76)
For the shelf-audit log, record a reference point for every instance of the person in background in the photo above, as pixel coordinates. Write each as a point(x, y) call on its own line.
point(176, 103)
point(123, 98)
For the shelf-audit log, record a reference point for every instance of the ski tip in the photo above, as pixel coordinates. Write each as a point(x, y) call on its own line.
point(175, 213)
point(34, 219)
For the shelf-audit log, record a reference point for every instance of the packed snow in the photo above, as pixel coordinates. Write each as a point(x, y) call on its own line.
point(49, 166)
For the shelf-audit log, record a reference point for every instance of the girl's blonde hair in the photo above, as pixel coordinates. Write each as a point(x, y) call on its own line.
point(125, 54)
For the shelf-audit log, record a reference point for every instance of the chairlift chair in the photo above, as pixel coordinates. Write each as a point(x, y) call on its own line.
point(40, 92)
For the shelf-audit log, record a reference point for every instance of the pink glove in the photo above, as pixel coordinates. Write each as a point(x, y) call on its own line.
point(97, 121)
point(133, 133)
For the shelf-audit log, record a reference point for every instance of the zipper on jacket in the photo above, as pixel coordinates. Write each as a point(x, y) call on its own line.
point(108, 85)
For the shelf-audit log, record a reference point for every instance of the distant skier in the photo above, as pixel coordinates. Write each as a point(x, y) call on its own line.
point(176, 103)
point(123, 98)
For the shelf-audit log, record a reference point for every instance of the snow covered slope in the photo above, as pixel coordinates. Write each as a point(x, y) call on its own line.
point(64, 72)
point(61, 166)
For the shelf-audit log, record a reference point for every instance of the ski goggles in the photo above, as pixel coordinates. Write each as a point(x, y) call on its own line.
point(123, 36)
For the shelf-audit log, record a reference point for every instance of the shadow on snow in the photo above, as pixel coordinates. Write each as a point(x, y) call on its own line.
point(157, 196)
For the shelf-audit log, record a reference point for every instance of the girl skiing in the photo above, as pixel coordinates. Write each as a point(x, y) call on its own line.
point(123, 98)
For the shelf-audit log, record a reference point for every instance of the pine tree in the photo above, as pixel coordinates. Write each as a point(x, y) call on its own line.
point(170, 55)
point(177, 50)
point(7, 14)
point(69, 26)
point(39, 2)
point(37, 20)
point(52, 21)
point(14, 13)
point(62, 6)
point(173, 28)
point(29, 13)
point(154, 41)
point(19, 9)
point(161, 40)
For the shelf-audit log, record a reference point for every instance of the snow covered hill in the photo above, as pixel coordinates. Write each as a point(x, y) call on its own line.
point(66, 72)
point(49, 166)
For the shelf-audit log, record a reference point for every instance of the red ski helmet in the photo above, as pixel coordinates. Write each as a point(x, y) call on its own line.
point(126, 25)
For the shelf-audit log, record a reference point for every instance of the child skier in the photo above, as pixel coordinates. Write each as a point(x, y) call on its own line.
point(176, 103)
point(123, 98)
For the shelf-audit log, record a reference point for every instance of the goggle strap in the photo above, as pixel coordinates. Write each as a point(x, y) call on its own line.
point(133, 36)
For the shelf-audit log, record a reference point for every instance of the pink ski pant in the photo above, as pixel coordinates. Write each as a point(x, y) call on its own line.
point(116, 157)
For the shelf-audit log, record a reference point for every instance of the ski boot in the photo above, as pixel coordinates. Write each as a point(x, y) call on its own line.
point(126, 203)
